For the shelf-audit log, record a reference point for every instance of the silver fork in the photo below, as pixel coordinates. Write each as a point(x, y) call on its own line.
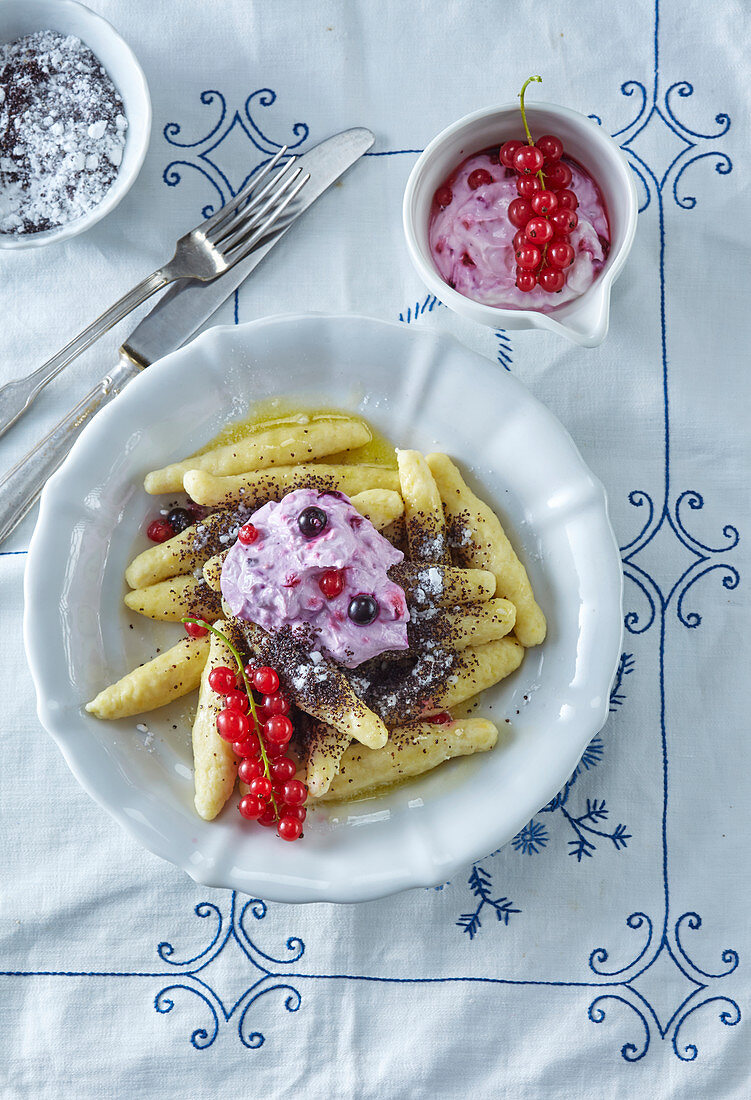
point(206, 252)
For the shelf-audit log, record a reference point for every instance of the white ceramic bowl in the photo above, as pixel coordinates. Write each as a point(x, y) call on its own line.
point(424, 391)
point(21, 17)
point(584, 319)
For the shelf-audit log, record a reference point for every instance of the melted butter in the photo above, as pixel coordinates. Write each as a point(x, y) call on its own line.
point(282, 411)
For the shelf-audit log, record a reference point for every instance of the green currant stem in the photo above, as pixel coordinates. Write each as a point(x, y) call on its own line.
point(249, 690)
point(535, 80)
point(532, 79)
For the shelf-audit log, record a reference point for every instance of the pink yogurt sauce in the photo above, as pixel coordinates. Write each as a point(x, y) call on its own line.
point(274, 581)
point(470, 240)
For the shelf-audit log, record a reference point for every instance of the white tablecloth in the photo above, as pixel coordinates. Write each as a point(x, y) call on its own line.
point(610, 966)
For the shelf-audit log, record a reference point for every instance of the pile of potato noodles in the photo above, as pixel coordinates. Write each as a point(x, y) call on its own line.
point(479, 586)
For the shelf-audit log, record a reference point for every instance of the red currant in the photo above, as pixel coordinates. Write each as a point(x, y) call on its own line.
point(236, 700)
point(528, 186)
point(508, 150)
point(278, 729)
point(519, 239)
point(558, 175)
point(261, 786)
point(564, 221)
point(159, 531)
point(195, 630)
point(294, 811)
point(479, 178)
point(560, 254)
point(250, 672)
point(544, 202)
point(282, 769)
point(443, 197)
point(251, 806)
point(265, 680)
point(528, 257)
point(274, 704)
point(551, 280)
point(550, 147)
point(248, 534)
point(289, 828)
point(249, 769)
point(519, 212)
point(331, 583)
point(247, 746)
point(528, 160)
point(294, 792)
point(539, 230)
point(232, 725)
point(567, 199)
point(525, 280)
point(442, 719)
point(222, 680)
point(268, 817)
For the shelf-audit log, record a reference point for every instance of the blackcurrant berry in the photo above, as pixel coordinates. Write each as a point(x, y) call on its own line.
point(312, 521)
point(363, 610)
point(179, 519)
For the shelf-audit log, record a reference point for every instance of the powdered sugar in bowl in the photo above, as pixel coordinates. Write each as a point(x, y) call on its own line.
point(60, 175)
point(582, 311)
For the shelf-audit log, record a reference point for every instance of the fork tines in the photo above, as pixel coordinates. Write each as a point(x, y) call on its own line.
point(252, 213)
point(247, 231)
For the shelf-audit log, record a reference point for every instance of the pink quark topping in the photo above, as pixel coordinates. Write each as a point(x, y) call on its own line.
point(315, 560)
point(471, 237)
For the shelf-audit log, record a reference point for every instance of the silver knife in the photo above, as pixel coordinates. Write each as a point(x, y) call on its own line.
point(172, 321)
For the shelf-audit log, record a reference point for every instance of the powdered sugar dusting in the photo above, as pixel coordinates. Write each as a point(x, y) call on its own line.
point(62, 132)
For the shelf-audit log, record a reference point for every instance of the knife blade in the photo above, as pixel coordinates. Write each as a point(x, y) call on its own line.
point(188, 304)
point(174, 319)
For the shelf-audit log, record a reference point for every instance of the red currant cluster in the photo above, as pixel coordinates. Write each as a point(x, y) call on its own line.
point(259, 730)
point(544, 214)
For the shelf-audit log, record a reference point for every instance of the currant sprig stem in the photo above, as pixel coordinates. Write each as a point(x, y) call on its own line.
point(530, 139)
point(525, 85)
point(248, 688)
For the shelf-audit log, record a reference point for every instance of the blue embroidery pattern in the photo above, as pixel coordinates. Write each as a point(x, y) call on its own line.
point(481, 885)
point(264, 977)
point(531, 839)
point(244, 122)
point(420, 308)
point(658, 597)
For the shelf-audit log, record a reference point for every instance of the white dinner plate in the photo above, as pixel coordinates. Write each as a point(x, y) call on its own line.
point(423, 391)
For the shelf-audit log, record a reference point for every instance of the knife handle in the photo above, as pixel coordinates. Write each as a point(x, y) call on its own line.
point(21, 486)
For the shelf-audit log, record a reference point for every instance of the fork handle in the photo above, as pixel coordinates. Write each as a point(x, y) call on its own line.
point(22, 485)
point(17, 396)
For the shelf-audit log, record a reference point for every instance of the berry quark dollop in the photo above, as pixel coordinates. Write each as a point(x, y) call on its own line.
point(312, 561)
point(472, 238)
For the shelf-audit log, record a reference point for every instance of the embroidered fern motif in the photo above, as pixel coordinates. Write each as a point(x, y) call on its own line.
point(481, 885)
point(625, 668)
